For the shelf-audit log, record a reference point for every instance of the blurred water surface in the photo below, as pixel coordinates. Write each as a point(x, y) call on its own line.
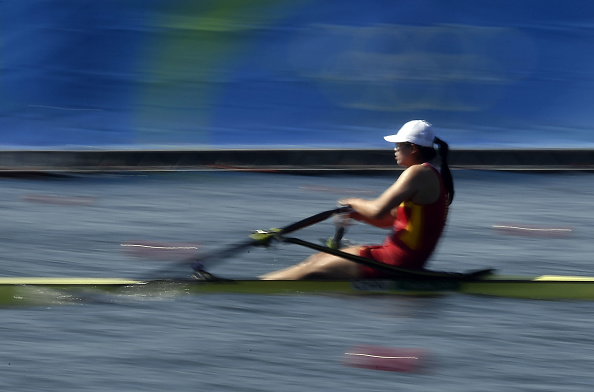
point(74, 227)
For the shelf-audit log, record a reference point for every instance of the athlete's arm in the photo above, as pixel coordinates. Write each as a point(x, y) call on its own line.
point(386, 222)
point(412, 184)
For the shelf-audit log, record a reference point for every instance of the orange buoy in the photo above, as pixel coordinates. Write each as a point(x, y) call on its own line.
point(533, 231)
point(159, 250)
point(407, 360)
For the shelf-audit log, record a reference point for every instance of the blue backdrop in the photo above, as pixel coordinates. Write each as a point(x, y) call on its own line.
point(336, 73)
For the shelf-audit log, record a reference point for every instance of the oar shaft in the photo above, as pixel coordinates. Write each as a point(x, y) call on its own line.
point(397, 271)
point(313, 220)
point(344, 255)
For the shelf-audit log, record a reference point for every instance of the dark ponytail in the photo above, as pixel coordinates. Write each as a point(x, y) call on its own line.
point(443, 149)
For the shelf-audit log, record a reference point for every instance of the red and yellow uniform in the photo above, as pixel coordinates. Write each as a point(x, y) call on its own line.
point(417, 229)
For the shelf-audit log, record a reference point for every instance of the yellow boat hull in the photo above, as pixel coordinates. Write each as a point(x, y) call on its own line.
point(47, 290)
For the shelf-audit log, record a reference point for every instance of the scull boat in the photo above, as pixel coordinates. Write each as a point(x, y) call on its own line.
point(27, 290)
point(43, 290)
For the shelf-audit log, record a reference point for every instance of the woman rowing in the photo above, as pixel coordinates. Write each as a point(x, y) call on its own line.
point(415, 207)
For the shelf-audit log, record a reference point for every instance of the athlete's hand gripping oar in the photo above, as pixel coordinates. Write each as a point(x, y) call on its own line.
point(264, 237)
point(341, 221)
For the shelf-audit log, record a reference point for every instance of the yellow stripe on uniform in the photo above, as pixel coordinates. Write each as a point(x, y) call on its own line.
point(412, 236)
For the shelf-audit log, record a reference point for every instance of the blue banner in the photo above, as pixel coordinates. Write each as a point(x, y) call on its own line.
point(303, 73)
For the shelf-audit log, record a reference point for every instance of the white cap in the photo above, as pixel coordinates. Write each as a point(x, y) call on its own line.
point(417, 132)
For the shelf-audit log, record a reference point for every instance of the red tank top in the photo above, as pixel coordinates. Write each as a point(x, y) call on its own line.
point(417, 227)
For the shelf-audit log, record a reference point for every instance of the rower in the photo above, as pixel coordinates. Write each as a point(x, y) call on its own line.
point(415, 207)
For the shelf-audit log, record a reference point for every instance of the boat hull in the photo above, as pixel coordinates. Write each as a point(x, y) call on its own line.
point(545, 287)
point(19, 291)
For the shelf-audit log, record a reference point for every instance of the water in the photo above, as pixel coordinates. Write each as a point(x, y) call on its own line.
point(290, 343)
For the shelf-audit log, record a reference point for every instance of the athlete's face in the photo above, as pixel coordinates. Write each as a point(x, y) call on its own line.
point(403, 152)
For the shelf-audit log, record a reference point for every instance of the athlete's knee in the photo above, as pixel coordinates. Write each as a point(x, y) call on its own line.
point(313, 259)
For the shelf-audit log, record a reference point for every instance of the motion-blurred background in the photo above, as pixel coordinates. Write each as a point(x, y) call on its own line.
point(135, 74)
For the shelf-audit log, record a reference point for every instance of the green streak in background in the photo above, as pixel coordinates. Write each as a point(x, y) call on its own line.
point(188, 59)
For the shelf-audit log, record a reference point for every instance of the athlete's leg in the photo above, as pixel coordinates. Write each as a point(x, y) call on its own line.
point(319, 266)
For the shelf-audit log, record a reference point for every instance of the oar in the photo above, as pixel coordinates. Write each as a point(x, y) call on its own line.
point(402, 272)
point(259, 238)
point(322, 216)
point(264, 237)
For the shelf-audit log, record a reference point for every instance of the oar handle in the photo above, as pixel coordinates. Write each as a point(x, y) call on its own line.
point(313, 219)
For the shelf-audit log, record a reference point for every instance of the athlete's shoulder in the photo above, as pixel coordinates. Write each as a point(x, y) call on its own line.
point(420, 169)
point(421, 175)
